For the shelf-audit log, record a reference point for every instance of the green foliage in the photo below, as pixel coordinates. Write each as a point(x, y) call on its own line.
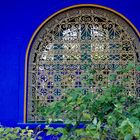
point(9, 133)
point(113, 115)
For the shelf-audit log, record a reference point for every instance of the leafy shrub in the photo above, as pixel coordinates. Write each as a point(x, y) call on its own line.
point(9, 133)
point(112, 115)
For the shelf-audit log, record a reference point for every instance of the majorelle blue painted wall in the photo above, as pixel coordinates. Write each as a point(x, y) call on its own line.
point(18, 20)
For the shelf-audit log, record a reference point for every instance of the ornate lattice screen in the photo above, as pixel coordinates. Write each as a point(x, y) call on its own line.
point(67, 42)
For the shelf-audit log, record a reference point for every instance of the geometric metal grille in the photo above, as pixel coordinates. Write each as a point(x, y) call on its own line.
point(65, 45)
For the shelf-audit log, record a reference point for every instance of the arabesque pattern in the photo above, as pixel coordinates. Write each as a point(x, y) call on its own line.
point(67, 43)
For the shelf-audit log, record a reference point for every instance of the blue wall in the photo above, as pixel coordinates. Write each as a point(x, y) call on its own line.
point(18, 21)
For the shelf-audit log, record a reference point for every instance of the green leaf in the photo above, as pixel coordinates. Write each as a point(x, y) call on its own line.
point(1, 129)
point(79, 131)
point(49, 120)
point(126, 127)
point(92, 71)
point(128, 137)
point(62, 130)
point(99, 125)
point(8, 130)
point(67, 121)
point(95, 121)
point(91, 127)
point(86, 116)
point(130, 65)
point(112, 77)
point(138, 68)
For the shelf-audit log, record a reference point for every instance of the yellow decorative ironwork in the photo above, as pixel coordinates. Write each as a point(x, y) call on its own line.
point(63, 46)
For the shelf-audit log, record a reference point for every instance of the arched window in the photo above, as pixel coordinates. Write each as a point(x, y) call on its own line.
point(63, 46)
